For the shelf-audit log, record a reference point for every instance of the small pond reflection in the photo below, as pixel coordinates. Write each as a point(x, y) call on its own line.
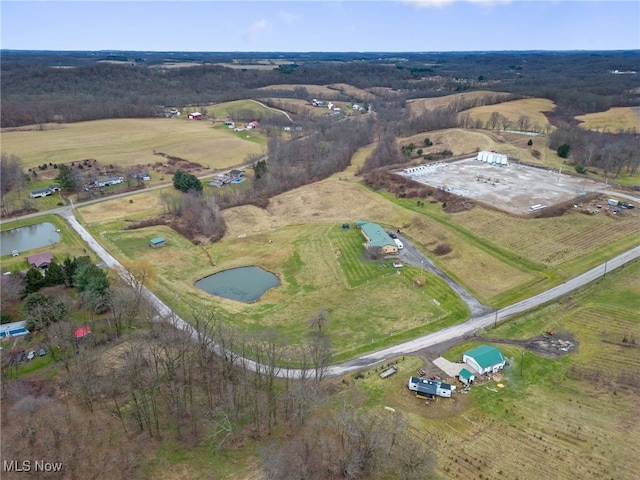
point(244, 284)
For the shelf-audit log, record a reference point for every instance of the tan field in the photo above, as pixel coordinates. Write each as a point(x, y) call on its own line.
point(419, 105)
point(125, 142)
point(613, 120)
point(529, 107)
point(319, 90)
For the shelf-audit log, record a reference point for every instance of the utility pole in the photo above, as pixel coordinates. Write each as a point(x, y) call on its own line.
point(605, 268)
point(522, 363)
point(495, 322)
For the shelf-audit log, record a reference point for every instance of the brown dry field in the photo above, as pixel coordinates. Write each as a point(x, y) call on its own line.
point(419, 105)
point(138, 206)
point(326, 91)
point(319, 90)
point(528, 107)
point(125, 142)
point(613, 120)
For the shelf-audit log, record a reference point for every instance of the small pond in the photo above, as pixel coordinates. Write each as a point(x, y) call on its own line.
point(27, 238)
point(244, 284)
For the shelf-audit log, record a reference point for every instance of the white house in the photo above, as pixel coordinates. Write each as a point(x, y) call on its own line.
point(430, 388)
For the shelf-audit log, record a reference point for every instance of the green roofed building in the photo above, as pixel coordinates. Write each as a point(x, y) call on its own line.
point(466, 376)
point(484, 359)
point(378, 238)
point(156, 242)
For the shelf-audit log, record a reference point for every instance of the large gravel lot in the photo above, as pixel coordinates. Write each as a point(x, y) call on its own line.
point(514, 188)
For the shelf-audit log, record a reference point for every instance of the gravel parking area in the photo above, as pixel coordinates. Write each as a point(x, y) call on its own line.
point(514, 188)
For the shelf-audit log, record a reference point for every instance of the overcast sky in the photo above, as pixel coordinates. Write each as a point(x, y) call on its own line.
point(321, 26)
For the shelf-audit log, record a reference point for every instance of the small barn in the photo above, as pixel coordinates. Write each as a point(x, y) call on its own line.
point(466, 376)
point(485, 359)
point(195, 116)
point(157, 242)
point(40, 260)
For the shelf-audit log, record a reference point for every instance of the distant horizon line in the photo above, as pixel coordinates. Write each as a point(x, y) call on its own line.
point(370, 52)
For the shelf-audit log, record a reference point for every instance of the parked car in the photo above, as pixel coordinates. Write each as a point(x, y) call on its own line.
point(392, 235)
point(31, 355)
point(42, 352)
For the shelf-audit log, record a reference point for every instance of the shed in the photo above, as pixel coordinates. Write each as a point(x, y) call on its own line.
point(194, 116)
point(156, 242)
point(81, 332)
point(484, 359)
point(466, 376)
point(40, 260)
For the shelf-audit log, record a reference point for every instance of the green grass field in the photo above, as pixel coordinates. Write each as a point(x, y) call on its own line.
point(370, 306)
point(570, 417)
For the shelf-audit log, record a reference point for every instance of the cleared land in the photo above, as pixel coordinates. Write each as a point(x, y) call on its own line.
point(570, 417)
point(319, 265)
point(532, 108)
point(514, 188)
point(324, 91)
point(131, 142)
point(419, 105)
point(613, 120)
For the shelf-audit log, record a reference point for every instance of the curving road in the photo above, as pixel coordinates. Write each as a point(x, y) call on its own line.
point(475, 322)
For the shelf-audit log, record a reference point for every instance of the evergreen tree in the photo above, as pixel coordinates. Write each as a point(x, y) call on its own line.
point(186, 182)
point(54, 275)
point(564, 150)
point(33, 281)
point(66, 178)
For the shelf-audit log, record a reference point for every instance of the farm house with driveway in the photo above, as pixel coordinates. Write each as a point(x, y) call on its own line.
point(377, 238)
point(485, 359)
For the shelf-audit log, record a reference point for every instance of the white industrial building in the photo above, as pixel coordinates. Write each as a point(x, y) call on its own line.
point(493, 158)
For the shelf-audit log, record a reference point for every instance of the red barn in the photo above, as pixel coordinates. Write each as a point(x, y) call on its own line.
point(195, 116)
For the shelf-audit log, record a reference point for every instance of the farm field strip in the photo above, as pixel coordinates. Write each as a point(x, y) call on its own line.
point(565, 238)
point(613, 120)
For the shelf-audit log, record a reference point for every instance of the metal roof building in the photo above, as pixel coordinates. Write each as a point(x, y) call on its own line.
point(484, 359)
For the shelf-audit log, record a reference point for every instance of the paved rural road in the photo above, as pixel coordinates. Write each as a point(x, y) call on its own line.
point(456, 331)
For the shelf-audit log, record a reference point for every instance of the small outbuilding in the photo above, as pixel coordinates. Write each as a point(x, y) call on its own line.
point(485, 359)
point(195, 116)
point(157, 242)
point(466, 376)
point(81, 332)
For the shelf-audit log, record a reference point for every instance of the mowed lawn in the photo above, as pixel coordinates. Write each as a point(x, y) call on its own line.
point(571, 417)
point(613, 120)
point(369, 306)
point(125, 142)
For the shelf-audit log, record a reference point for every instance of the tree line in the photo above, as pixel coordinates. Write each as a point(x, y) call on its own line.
point(33, 92)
